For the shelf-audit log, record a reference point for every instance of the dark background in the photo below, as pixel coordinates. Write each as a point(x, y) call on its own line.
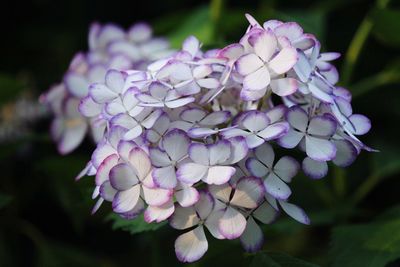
point(45, 215)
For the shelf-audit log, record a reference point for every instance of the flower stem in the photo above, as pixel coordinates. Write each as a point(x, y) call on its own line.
point(216, 8)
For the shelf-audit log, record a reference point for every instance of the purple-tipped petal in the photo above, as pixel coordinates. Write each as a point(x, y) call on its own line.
point(256, 168)
point(219, 174)
point(276, 187)
point(249, 192)
point(346, 153)
point(295, 212)
point(252, 238)
point(284, 60)
point(191, 246)
point(176, 144)
point(122, 177)
point(274, 131)
point(286, 168)
point(361, 123)
point(165, 177)
point(322, 126)
point(183, 218)
point(156, 196)
point(320, 149)
point(103, 170)
point(125, 201)
point(232, 224)
point(315, 169)
point(159, 213)
point(191, 173)
point(255, 121)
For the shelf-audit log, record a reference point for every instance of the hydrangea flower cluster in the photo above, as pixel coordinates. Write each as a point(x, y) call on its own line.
point(192, 138)
point(109, 47)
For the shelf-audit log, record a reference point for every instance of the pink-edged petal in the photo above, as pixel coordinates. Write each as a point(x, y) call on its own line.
point(284, 86)
point(274, 131)
point(291, 139)
point(256, 168)
point(276, 187)
point(257, 80)
point(295, 212)
point(322, 126)
point(265, 213)
point(140, 161)
point(191, 246)
point(361, 123)
point(159, 213)
point(320, 149)
point(104, 168)
point(249, 193)
point(187, 196)
point(107, 191)
point(176, 144)
point(183, 218)
point(346, 153)
point(219, 174)
point(122, 177)
point(297, 118)
point(255, 121)
point(191, 173)
point(126, 200)
point(221, 192)
point(232, 224)
point(164, 177)
point(264, 44)
point(156, 196)
point(252, 238)
point(248, 64)
point(199, 153)
point(102, 151)
point(284, 60)
point(286, 168)
point(315, 169)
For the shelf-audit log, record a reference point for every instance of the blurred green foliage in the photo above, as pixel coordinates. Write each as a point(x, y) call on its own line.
point(45, 215)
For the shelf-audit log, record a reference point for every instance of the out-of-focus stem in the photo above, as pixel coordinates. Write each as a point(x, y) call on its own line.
point(357, 43)
point(365, 188)
point(216, 8)
point(339, 181)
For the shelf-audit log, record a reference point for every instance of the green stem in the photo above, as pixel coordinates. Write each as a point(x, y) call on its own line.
point(357, 43)
point(339, 181)
point(216, 8)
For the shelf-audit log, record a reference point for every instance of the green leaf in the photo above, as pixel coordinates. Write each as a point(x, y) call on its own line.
point(374, 244)
point(134, 226)
point(271, 259)
point(4, 200)
point(387, 25)
point(197, 23)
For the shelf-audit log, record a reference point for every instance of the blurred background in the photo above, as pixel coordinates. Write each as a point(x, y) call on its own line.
point(45, 215)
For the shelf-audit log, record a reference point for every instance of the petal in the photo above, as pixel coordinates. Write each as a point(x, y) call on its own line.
point(191, 45)
point(125, 201)
point(209, 83)
point(276, 113)
point(72, 136)
point(239, 149)
point(115, 81)
point(159, 213)
point(164, 177)
point(252, 95)
point(191, 173)
point(322, 126)
point(199, 153)
point(183, 218)
point(253, 141)
point(221, 192)
point(257, 80)
point(248, 64)
point(212, 223)
point(122, 177)
point(215, 118)
point(286, 168)
point(187, 196)
point(295, 212)
point(140, 161)
point(191, 246)
point(133, 213)
point(292, 30)
point(249, 193)
point(159, 158)
point(256, 168)
point(255, 121)
point(205, 205)
point(284, 60)
point(179, 102)
point(101, 94)
point(265, 154)
point(302, 67)
point(284, 86)
point(89, 108)
point(265, 213)
point(219, 152)
point(156, 196)
point(252, 238)
point(107, 191)
point(319, 93)
point(291, 139)
point(320, 149)
point(274, 131)
point(264, 44)
point(346, 153)
point(361, 123)
point(276, 187)
point(219, 174)
point(297, 118)
point(176, 144)
point(102, 151)
point(103, 170)
point(232, 224)
point(315, 169)
point(76, 84)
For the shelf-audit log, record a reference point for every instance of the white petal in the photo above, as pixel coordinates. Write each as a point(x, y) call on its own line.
point(115, 81)
point(295, 212)
point(265, 154)
point(232, 224)
point(315, 169)
point(255, 121)
point(264, 44)
point(176, 144)
point(276, 187)
point(248, 64)
point(219, 152)
point(256, 168)
point(122, 177)
point(291, 139)
point(320, 149)
point(140, 161)
point(164, 177)
point(284, 86)
point(221, 192)
point(191, 246)
point(219, 174)
point(265, 213)
point(126, 200)
point(199, 153)
point(286, 168)
point(284, 61)
point(257, 80)
point(322, 126)
point(249, 192)
point(252, 237)
point(297, 118)
point(187, 196)
point(191, 172)
point(183, 218)
point(156, 196)
point(159, 213)
point(274, 131)
point(104, 168)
